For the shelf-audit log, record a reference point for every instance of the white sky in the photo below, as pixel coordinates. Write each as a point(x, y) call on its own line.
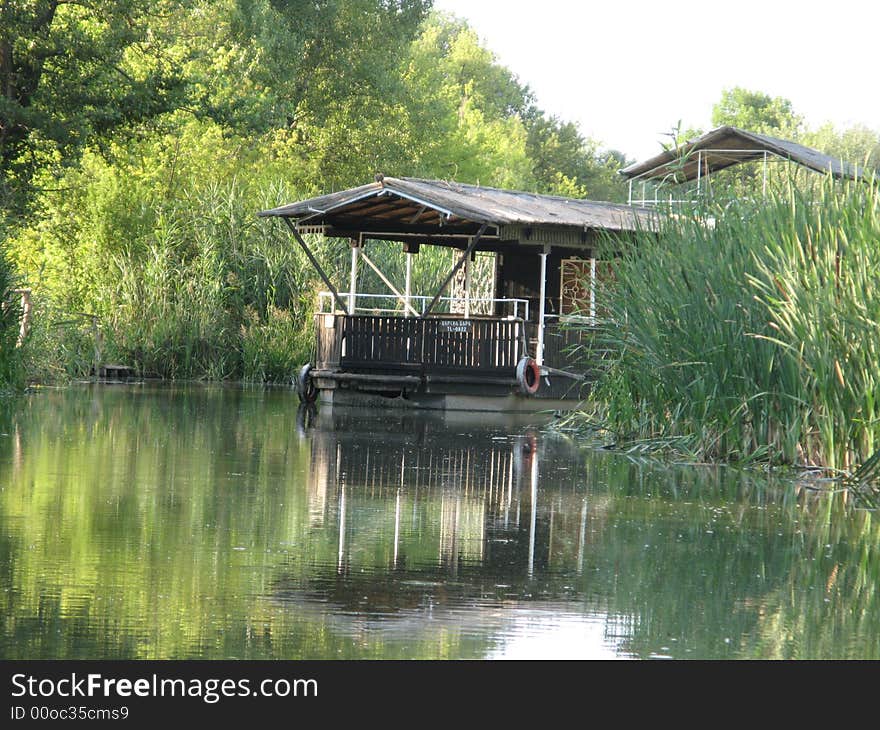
point(627, 70)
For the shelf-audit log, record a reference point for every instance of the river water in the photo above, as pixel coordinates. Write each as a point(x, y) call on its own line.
point(210, 522)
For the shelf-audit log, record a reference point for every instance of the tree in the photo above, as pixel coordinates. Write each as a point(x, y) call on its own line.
point(757, 112)
point(858, 145)
point(75, 70)
point(9, 319)
point(272, 64)
point(567, 163)
point(476, 122)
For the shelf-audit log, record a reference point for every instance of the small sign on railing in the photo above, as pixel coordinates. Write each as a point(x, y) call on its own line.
point(455, 325)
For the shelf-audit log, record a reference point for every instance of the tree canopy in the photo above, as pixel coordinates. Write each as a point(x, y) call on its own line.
point(75, 72)
point(757, 112)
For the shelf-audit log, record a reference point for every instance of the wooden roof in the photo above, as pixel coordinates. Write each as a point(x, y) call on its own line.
point(726, 146)
point(446, 210)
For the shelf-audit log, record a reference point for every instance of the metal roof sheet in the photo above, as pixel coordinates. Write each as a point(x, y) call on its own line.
point(404, 200)
point(726, 146)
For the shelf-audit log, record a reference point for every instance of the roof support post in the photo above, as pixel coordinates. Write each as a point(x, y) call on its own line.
point(764, 182)
point(699, 169)
point(407, 286)
point(539, 354)
point(467, 288)
point(311, 257)
point(353, 277)
point(467, 252)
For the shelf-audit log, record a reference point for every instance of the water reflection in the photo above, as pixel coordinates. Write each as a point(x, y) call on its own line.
point(217, 522)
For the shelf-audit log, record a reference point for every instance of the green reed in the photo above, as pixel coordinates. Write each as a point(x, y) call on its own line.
point(10, 314)
point(752, 334)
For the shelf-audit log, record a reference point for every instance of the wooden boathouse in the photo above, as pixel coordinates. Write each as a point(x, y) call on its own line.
point(509, 351)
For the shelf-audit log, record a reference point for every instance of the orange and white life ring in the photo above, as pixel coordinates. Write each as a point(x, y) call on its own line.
point(528, 376)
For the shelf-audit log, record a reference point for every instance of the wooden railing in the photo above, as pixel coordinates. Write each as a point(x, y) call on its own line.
point(415, 344)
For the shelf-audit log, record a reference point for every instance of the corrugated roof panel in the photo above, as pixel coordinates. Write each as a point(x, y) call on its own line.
point(473, 203)
point(680, 165)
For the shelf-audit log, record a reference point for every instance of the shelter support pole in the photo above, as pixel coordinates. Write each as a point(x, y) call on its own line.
point(321, 273)
point(467, 288)
point(353, 278)
point(764, 182)
point(699, 169)
point(468, 251)
point(407, 287)
point(539, 354)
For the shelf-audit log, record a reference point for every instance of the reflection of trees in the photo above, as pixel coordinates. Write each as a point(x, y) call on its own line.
point(837, 615)
point(138, 523)
point(126, 516)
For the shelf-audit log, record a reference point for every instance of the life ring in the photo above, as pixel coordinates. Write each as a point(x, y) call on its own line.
point(305, 385)
point(528, 376)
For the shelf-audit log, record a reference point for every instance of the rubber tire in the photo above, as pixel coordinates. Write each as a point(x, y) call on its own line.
point(528, 376)
point(305, 386)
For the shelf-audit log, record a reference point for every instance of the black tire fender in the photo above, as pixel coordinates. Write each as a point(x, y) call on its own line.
point(305, 385)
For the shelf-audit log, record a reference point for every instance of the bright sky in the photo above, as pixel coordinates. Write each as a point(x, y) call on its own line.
point(627, 70)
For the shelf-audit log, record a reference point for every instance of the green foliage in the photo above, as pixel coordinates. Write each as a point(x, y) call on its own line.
point(475, 122)
point(10, 313)
point(565, 163)
point(177, 275)
point(859, 145)
point(752, 337)
point(757, 112)
point(73, 74)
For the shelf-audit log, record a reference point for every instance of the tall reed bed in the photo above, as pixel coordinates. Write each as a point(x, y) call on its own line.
point(10, 313)
point(214, 293)
point(189, 286)
point(753, 333)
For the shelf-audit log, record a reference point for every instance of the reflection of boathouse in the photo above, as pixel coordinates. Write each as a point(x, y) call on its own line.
point(439, 501)
point(509, 347)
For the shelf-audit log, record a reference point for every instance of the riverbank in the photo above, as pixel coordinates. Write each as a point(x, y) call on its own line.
point(749, 340)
